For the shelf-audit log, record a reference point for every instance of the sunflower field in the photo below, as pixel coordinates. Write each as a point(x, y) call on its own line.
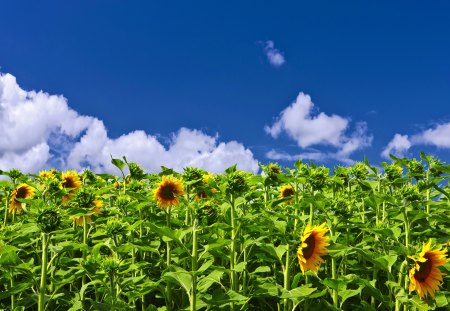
point(362, 237)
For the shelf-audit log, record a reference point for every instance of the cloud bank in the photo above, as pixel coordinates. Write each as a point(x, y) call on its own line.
point(40, 131)
point(437, 136)
point(299, 123)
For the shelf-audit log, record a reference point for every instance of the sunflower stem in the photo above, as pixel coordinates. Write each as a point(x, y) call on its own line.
point(400, 281)
point(233, 249)
point(194, 261)
point(13, 297)
point(85, 242)
point(43, 283)
point(168, 263)
point(335, 296)
point(287, 277)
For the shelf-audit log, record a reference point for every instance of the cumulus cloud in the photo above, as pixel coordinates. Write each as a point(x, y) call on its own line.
point(438, 136)
point(398, 146)
point(308, 129)
point(274, 56)
point(41, 131)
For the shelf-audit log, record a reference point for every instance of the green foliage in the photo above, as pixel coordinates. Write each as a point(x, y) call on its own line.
point(230, 244)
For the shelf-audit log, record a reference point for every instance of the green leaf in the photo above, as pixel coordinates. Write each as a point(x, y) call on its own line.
point(219, 298)
point(205, 283)
point(240, 266)
point(181, 277)
point(20, 287)
point(299, 292)
point(9, 257)
point(386, 261)
point(441, 300)
point(262, 269)
point(347, 293)
point(419, 305)
point(118, 163)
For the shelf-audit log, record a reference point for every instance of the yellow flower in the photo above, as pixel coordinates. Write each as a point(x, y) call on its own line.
point(312, 248)
point(168, 191)
point(425, 277)
point(23, 191)
point(70, 180)
point(45, 175)
point(287, 191)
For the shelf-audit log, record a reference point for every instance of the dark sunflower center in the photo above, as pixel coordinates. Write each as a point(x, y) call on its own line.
point(68, 183)
point(21, 193)
point(168, 192)
point(288, 192)
point(309, 249)
point(424, 270)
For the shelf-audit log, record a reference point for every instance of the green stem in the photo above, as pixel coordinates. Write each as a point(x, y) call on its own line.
point(13, 297)
point(234, 281)
point(168, 264)
point(287, 277)
point(112, 289)
point(194, 261)
point(5, 220)
point(85, 242)
point(43, 283)
point(334, 276)
point(428, 192)
point(400, 278)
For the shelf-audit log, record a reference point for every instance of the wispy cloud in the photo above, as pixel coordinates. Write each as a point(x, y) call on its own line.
point(274, 56)
point(437, 135)
point(41, 131)
point(307, 129)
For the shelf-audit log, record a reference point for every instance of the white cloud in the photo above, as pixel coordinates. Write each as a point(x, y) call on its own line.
point(438, 136)
point(283, 156)
point(299, 123)
point(398, 146)
point(40, 130)
point(275, 57)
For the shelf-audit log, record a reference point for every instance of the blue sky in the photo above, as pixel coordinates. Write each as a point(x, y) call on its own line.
point(211, 83)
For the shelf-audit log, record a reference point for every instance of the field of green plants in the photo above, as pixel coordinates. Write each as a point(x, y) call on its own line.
point(362, 237)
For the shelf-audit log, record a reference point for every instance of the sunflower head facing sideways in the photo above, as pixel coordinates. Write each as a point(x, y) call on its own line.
point(313, 247)
point(287, 191)
point(425, 276)
point(168, 191)
point(22, 191)
point(71, 180)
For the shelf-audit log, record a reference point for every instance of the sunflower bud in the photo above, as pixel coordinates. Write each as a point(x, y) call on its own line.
point(136, 172)
point(48, 220)
point(115, 227)
point(111, 266)
point(415, 169)
point(360, 171)
point(236, 183)
point(393, 172)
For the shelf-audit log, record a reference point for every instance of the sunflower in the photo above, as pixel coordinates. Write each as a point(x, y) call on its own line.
point(45, 175)
point(287, 191)
point(312, 248)
point(168, 191)
point(425, 277)
point(23, 191)
point(97, 207)
point(70, 180)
